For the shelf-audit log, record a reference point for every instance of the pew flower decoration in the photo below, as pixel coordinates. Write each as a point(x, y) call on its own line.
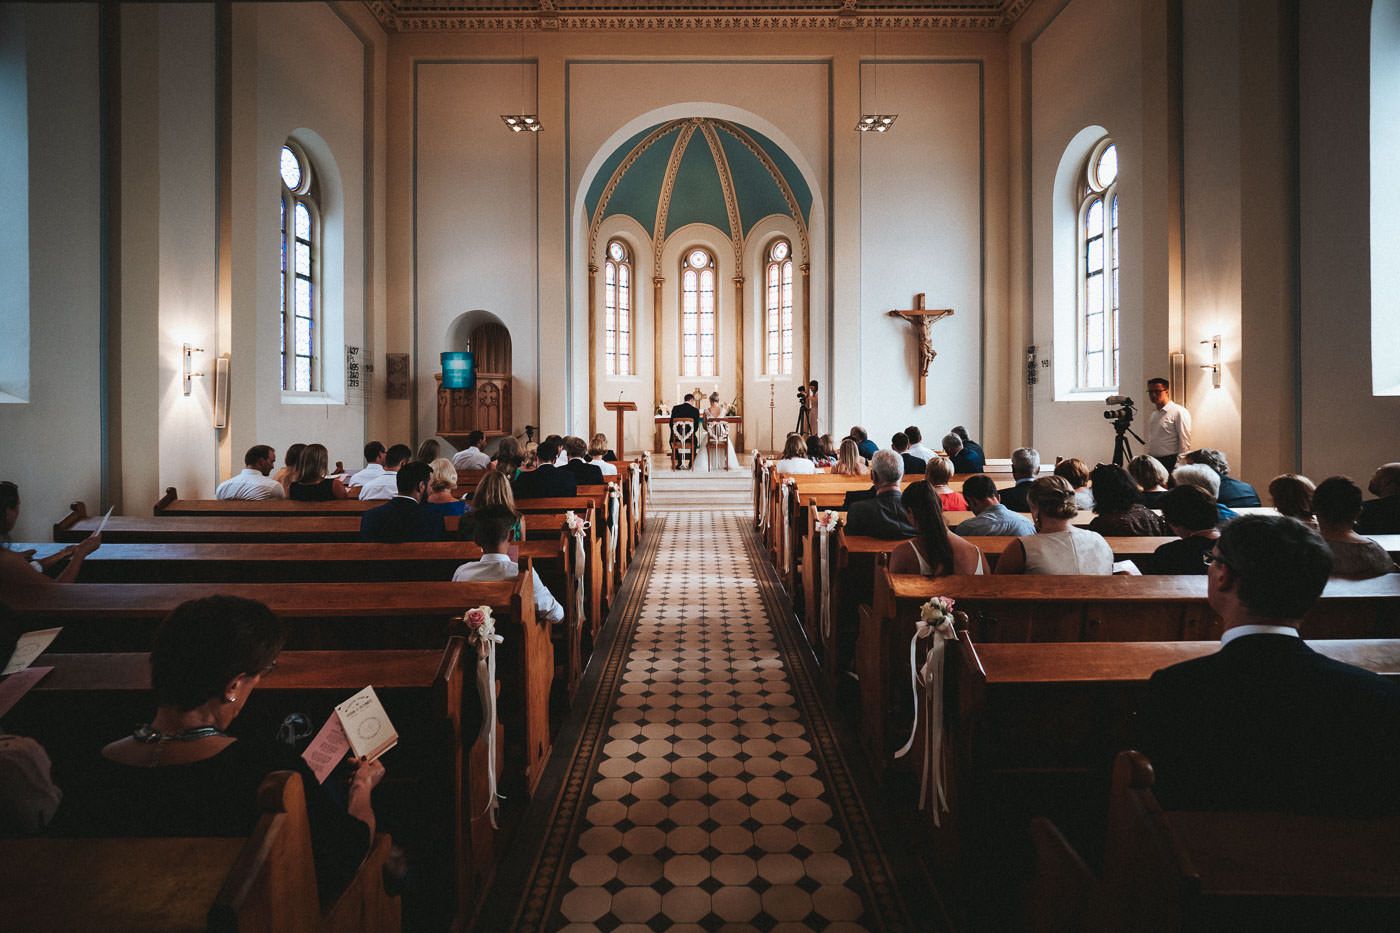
point(937, 623)
point(481, 634)
point(937, 613)
point(827, 521)
point(481, 629)
point(575, 523)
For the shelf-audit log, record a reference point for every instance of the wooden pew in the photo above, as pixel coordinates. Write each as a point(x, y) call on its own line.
point(1032, 729)
point(264, 882)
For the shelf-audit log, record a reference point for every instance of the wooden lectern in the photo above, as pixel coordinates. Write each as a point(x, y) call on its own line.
point(621, 408)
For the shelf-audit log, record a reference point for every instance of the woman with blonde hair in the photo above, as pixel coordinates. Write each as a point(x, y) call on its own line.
point(494, 489)
point(1076, 472)
point(849, 462)
point(598, 454)
point(1057, 547)
point(938, 473)
point(312, 484)
point(442, 487)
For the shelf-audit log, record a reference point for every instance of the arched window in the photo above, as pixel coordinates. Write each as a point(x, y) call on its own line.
point(617, 308)
point(1098, 271)
point(698, 313)
point(777, 308)
point(301, 259)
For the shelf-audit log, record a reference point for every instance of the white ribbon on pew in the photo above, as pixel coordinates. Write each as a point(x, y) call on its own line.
point(826, 524)
point(785, 515)
point(481, 634)
point(614, 523)
point(936, 623)
point(578, 527)
point(763, 499)
point(636, 480)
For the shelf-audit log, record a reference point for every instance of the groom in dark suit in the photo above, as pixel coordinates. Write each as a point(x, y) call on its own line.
point(1267, 723)
point(684, 411)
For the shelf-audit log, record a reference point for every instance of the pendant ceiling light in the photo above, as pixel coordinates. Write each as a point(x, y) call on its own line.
point(876, 122)
point(522, 122)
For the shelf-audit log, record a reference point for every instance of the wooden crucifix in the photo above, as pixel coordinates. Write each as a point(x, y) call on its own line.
point(921, 318)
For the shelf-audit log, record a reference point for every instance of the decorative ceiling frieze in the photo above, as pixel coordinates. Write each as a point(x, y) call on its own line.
point(675, 15)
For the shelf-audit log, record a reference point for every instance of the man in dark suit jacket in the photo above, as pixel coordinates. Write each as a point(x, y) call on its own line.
point(882, 514)
point(545, 481)
point(913, 466)
point(585, 473)
point(967, 456)
point(1267, 723)
point(403, 518)
point(1381, 515)
point(1025, 464)
point(686, 410)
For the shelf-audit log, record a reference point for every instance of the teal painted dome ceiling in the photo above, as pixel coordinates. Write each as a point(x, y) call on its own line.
point(699, 170)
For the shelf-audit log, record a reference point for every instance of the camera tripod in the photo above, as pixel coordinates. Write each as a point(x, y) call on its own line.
point(804, 425)
point(1122, 449)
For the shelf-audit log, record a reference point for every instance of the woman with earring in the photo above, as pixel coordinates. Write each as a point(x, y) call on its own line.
point(1057, 547)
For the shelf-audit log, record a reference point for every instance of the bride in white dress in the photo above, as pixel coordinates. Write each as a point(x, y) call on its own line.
point(711, 416)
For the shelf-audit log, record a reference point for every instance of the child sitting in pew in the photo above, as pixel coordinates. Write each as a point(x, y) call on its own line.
point(492, 531)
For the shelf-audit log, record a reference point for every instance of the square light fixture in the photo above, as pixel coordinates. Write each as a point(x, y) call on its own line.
point(522, 122)
point(875, 122)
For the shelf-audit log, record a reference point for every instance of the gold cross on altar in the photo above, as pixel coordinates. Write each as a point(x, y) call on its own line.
point(921, 318)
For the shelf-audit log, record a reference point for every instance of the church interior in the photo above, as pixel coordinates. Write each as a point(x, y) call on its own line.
point(503, 223)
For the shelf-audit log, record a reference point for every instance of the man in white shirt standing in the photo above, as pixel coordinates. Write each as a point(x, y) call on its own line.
point(254, 482)
point(374, 465)
point(473, 456)
point(1168, 425)
point(492, 533)
point(386, 484)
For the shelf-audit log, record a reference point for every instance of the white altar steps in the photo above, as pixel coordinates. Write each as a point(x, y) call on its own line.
point(684, 491)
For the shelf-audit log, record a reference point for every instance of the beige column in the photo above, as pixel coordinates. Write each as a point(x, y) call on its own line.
point(657, 281)
point(739, 336)
point(806, 323)
point(593, 349)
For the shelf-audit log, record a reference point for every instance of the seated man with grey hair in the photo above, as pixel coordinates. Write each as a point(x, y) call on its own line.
point(1198, 474)
point(1234, 493)
point(882, 515)
point(1025, 464)
point(965, 459)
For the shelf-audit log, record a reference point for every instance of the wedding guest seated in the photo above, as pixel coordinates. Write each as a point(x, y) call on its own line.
point(1233, 493)
point(990, 516)
point(882, 514)
point(385, 485)
point(913, 466)
point(1381, 515)
point(601, 457)
point(404, 517)
point(816, 454)
point(1337, 504)
point(508, 457)
point(1057, 547)
point(849, 462)
point(473, 455)
point(560, 456)
point(546, 481)
point(866, 446)
point(28, 795)
point(290, 467)
point(1189, 512)
point(184, 775)
point(18, 568)
point(794, 459)
point(1117, 511)
point(442, 486)
point(311, 483)
point(1292, 495)
point(492, 531)
point(935, 552)
point(494, 489)
point(916, 444)
point(1266, 723)
point(1203, 477)
point(972, 450)
point(374, 463)
point(253, 483)
point(939, 472)
point(1025, 464)
point(428, 451)
point(585, 473)
point(1151, 478)
point(1076, 472)
point(965, 459)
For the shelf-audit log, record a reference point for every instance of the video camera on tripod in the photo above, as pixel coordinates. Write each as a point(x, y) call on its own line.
point(1122, 418)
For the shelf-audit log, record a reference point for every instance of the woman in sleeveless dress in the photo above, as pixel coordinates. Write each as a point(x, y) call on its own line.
point(1057, 547)
point(712, 416)
point(935, 552)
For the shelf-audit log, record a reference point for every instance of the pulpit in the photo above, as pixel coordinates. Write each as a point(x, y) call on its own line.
point(620, 439)
point(485, 408)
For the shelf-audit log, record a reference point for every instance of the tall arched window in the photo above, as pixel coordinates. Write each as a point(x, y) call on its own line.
point(777, 308)
point(1098, 271)
point(617, 307)
point(698, 313)
point(301, 259)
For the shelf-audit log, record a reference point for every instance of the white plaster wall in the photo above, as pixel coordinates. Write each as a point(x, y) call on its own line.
point(53, 446)
point(476, 224)
point(921, 231)
point(637, 385)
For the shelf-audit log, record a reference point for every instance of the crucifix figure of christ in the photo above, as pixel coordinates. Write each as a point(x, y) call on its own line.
point(921, 318)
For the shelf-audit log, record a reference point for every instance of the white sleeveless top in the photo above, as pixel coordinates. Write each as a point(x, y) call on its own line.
point(1076, 551)
point(925, 569)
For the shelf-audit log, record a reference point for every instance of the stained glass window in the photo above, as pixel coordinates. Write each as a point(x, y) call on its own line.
point(1098, 271)
point(617, 309)
point(698, 314)
point(777, 309)
point(300, 305)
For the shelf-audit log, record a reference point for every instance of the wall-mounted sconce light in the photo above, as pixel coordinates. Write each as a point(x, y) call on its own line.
point(1214, 364)
point(187, 366)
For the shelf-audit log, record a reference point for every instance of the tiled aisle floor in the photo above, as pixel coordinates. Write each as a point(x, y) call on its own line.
point(708, 809)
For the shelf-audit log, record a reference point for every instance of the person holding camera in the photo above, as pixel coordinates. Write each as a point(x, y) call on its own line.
point(1168, 424)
